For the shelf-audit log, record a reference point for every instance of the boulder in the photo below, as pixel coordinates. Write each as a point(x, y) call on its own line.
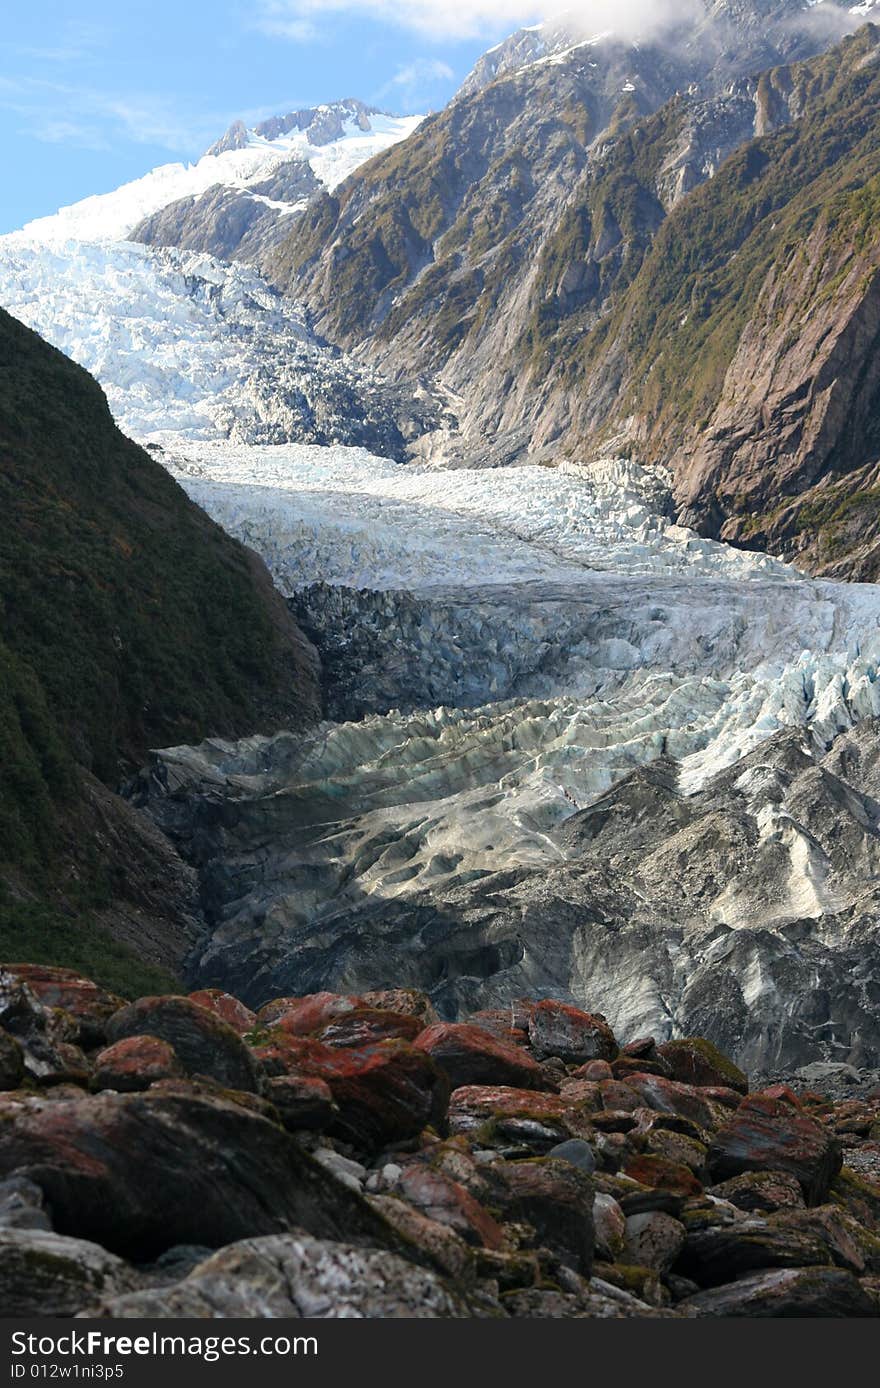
point(576, 1151)
point(768, 1134)
point(135, 1063)
point(714, 1256)
point(446, 1202)
point(446, 1249)
point(848, 1242)
point(470, 1056)
point(302, 1016)
point(203, 1043)
point(653, 1240)
point(556, 1029)
point(226, 1007)
point(694, 1060)
point(662, 1174)
point(22, 1205)
point(303, 1102)
point(787, 1293)
point(556, 1198)
point(500, 1116)
point(11, 1062)
point(364, 1025)
point(294, 1276)
point(609, 1223)
point(46, 1274)
point(678, 1148)
point(406, 1002)
point(670, 1096)
point(89, 1005)
point(761, 1192)
point(384, 1093)
point(176, 1164)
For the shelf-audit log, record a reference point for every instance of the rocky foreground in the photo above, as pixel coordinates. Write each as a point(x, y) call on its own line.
point(336, 1155)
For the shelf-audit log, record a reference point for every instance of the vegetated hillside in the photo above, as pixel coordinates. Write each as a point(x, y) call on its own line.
point(128, 620)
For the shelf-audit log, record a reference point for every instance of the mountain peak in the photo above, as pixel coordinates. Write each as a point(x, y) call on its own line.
point(320, 125)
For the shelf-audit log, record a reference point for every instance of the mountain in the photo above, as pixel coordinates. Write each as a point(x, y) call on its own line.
point(128, 620)
point(292, 158)
point(434, 256)
point(266, 173)
point(571, 268)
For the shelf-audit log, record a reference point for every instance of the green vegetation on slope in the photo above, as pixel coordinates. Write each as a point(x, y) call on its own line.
point(127, 620)
point(682, 318)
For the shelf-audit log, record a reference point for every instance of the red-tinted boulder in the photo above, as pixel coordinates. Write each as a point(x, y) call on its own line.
point(406, 1002)
point(385, 1092)
point(769, 1135)
point(226, 1007)
point(203, 1043)
point(177, 1164)
point(469, 1055)
point(440, 1198)
point(367, 1024)
point(619, 1096)
point(781, 1092)
point(498, 1022)
point(500, 1116)
point(661, 1174)
point(302, 1016)
point(135, 1063)
point(694, 1060)
point(668, 1096)
point(574, 1036)
point(89, 1005)
point(595, 1070)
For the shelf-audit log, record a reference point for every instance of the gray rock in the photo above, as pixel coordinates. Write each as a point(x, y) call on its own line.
point(790, 1293)
point(22, 1205)
point(653, 1240)
point(609, 1222)
point(46, 1274)
point(576, 1151)
point(294, 1275)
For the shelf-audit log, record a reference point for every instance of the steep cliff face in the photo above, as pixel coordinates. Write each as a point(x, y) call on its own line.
point(745, 349)
point(127, 619)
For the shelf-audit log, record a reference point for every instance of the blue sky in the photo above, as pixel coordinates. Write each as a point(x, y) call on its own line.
point(94, 93)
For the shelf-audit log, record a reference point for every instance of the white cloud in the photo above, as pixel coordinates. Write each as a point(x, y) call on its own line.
point(299, 20)
point(473, 18)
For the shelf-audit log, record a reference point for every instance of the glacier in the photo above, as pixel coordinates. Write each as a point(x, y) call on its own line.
point(574, 747)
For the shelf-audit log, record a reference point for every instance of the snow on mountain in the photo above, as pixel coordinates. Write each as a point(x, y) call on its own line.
point(113, 216)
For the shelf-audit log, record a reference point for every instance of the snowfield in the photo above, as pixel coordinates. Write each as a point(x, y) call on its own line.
point(111, 217)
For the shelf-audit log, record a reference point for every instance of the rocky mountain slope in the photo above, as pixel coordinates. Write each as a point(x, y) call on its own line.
point(313, 148)
point(127, 618)
point(581, 279)
point(349, 1155)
